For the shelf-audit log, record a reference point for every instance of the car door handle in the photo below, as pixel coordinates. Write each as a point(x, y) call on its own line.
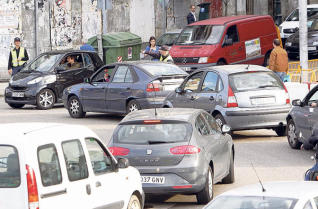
point(98, 184)
point(52, 194)
point(88, 189)
point(212, 98)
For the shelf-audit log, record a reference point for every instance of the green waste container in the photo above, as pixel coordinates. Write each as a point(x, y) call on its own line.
point(121, 44)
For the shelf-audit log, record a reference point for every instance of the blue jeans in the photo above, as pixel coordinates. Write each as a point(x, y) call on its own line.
point(281, 75)
point(15, 70)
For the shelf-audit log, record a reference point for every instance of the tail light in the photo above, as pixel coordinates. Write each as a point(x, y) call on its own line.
point(152, 121)
point(119, 151)
point(33, 196)
point(287, 95)
point(185, 150)
point(151, 87)
point(231, 100)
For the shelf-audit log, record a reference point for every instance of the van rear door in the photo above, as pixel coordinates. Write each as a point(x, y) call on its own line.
point(13, 190)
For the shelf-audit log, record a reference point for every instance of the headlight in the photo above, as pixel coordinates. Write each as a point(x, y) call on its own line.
point(34, 81)
point(288, 44)
point(10, 81)
point(203, 60)
point(315, 43)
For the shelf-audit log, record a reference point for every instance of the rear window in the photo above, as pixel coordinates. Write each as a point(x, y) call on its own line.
point(163, 69)
point(254, 81)
point(9, 167)
point(163, 132)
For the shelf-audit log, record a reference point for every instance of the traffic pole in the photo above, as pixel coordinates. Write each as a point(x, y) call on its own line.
point(303, 40)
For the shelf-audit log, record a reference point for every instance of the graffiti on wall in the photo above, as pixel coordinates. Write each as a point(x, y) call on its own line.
point(90, 18)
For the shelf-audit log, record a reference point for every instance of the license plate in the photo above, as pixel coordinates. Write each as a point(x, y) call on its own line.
point(152, 179)
point(312, 48)
point(265, 100)
point(17, 94)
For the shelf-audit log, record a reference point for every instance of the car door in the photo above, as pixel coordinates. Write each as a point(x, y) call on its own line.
point(186, 98)
point(235, 51)
point(313, 112)
point(89, 65)
point(109, 183)
point(207, 97)
point(120, 89)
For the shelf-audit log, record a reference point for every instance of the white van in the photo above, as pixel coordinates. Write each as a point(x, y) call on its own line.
point(49, 166)
point(291, 24)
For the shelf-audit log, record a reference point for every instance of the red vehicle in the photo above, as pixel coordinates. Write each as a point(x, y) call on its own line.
point(244, 39)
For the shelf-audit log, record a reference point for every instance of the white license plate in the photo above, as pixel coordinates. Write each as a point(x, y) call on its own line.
point(265, 100)
point(152, 179)
point(17, 94)
point(312, 48)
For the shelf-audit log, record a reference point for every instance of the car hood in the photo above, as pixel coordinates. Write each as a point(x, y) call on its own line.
point(192, 50)
point(290, 24)
point(312, 37)
point(22, 78)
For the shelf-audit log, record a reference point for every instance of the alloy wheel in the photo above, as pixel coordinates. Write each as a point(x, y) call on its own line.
point(134, 205)
point(46, 99)
point(291, 133)
point(133, 107)
point(219, 122)
point(74, 106)
point(210, 185)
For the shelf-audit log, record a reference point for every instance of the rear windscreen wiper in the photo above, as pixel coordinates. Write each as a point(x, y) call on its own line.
point(158, 142)
point(266, 86)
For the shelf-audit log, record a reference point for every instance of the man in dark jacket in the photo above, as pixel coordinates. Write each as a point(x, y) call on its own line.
point(191, 16)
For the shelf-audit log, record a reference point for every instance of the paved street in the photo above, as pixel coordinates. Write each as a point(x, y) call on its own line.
point(271, 155)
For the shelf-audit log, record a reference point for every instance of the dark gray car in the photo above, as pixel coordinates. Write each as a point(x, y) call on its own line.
point(302, 121)
point(176, 151)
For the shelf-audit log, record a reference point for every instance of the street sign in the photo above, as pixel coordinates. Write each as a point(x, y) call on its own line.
point(119, 59)
point(129, 52)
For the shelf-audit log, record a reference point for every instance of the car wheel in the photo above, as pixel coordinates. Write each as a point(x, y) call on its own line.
point(206, 195)
point(45, 99)
point(16, 106)
point(291, 135)
point(219, 120)
point(230, 178)
point(266, 59)
point(280, 131)
point(75, 108)
point(221, 62)
point(134, 203)
point(132, 106)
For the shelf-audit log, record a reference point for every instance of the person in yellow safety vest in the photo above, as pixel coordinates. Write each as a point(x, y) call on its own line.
point(164, 54)
point(17, 58)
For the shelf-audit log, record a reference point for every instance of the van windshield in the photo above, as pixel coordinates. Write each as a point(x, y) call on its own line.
point(200, 34)
point(9, 167)
point(294, 16)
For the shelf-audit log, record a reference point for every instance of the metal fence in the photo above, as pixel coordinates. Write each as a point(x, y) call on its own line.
point(294, 71)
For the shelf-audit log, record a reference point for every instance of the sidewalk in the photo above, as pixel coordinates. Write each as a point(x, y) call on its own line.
point(3, 85)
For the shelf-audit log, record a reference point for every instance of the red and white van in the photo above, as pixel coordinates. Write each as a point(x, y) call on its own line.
point(244, 39)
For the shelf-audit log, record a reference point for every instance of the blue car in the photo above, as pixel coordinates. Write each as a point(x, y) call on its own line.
point(123, 87)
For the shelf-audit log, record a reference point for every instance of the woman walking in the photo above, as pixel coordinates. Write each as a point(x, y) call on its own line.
point(152, 49)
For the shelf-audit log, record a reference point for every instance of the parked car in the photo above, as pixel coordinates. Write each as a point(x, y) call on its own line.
point(63, 166)
point(242, 96)
point(42, 81)
point(291, 24)
point(123, 88)
point(292, 42)
point(176, 151)
point(225, 40)
point(277, 195)
point(168, 38)
point(302, 121)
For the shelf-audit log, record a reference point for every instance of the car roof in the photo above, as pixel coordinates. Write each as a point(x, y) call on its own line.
point(229, 19)
point(180, 114)
point(312, 6)
point(173, 31)
point(288, 189)
point(142, 62)
point(232, 69)
point(66, 51)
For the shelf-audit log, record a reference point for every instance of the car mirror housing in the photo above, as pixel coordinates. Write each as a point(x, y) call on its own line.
point(123, 163)
point(226, 129)
point(228, 42)
point(87, 80)
point(179, 90)
point(297, 102)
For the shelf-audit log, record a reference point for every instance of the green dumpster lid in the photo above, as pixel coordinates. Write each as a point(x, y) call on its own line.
point(118, 39)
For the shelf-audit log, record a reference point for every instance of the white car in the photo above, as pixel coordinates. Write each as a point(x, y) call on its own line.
point(50, 166)
point(277, 195)
point(291, 24)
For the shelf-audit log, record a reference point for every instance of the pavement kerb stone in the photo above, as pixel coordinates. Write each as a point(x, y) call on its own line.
point(3, 85)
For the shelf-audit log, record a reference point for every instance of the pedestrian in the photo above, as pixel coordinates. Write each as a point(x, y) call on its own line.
point(17, 57)
point(87, 47)
point(152, 49)
point(165, 55)
point(191, 18)
point(278, 60)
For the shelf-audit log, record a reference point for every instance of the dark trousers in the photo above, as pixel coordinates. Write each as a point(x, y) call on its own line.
point(15, 70)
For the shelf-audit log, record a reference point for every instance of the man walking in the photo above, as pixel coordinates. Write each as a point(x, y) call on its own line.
point(17, 58)
point(278, 60)
point(191, 16)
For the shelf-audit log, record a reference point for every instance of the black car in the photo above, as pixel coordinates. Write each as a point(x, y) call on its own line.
point(123, 87)
point(42, 81)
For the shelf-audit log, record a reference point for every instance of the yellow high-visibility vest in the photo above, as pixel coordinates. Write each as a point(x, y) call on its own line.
point(167, 59)
point(15, 62)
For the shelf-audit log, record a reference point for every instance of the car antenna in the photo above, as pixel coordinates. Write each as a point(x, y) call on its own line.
point(154, 99)
point(259, 180)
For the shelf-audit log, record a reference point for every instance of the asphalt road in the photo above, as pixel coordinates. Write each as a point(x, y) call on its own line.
point(271, 156)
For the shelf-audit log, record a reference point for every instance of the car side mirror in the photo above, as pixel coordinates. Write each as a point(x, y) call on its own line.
point(59, 69)
point(123, 163)
point(90, 67)
point(226, 129)
point(228, 42)
point(297, 102)
point(87, 80)
point(179, 90)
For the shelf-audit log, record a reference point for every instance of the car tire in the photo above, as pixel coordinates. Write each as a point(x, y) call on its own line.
point(206, 195)
point(16, 106)
point(134, 203)
point(220, 62)
point(75, 108)
point(219, 120)
point(281, 131)
point(291, 135)
point(230, 178)
point(45, 99)
point(132, 106)
point(266, 59)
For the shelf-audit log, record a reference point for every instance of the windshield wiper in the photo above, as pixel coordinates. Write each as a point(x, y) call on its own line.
point(198, 43)
point(267, 86)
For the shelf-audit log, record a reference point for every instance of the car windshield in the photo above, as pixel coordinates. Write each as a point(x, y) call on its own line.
point(143, 133)
point(200, 34)
point(252, 202)
point(43, 63)
point(9, 167)
point(163, 69)
point(294, 16)
point(248, 81)
point(167, 39)
point(313, 25)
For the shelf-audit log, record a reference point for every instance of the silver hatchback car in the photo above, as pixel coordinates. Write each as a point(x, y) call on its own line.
point(243, 96)
point(176, 151)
